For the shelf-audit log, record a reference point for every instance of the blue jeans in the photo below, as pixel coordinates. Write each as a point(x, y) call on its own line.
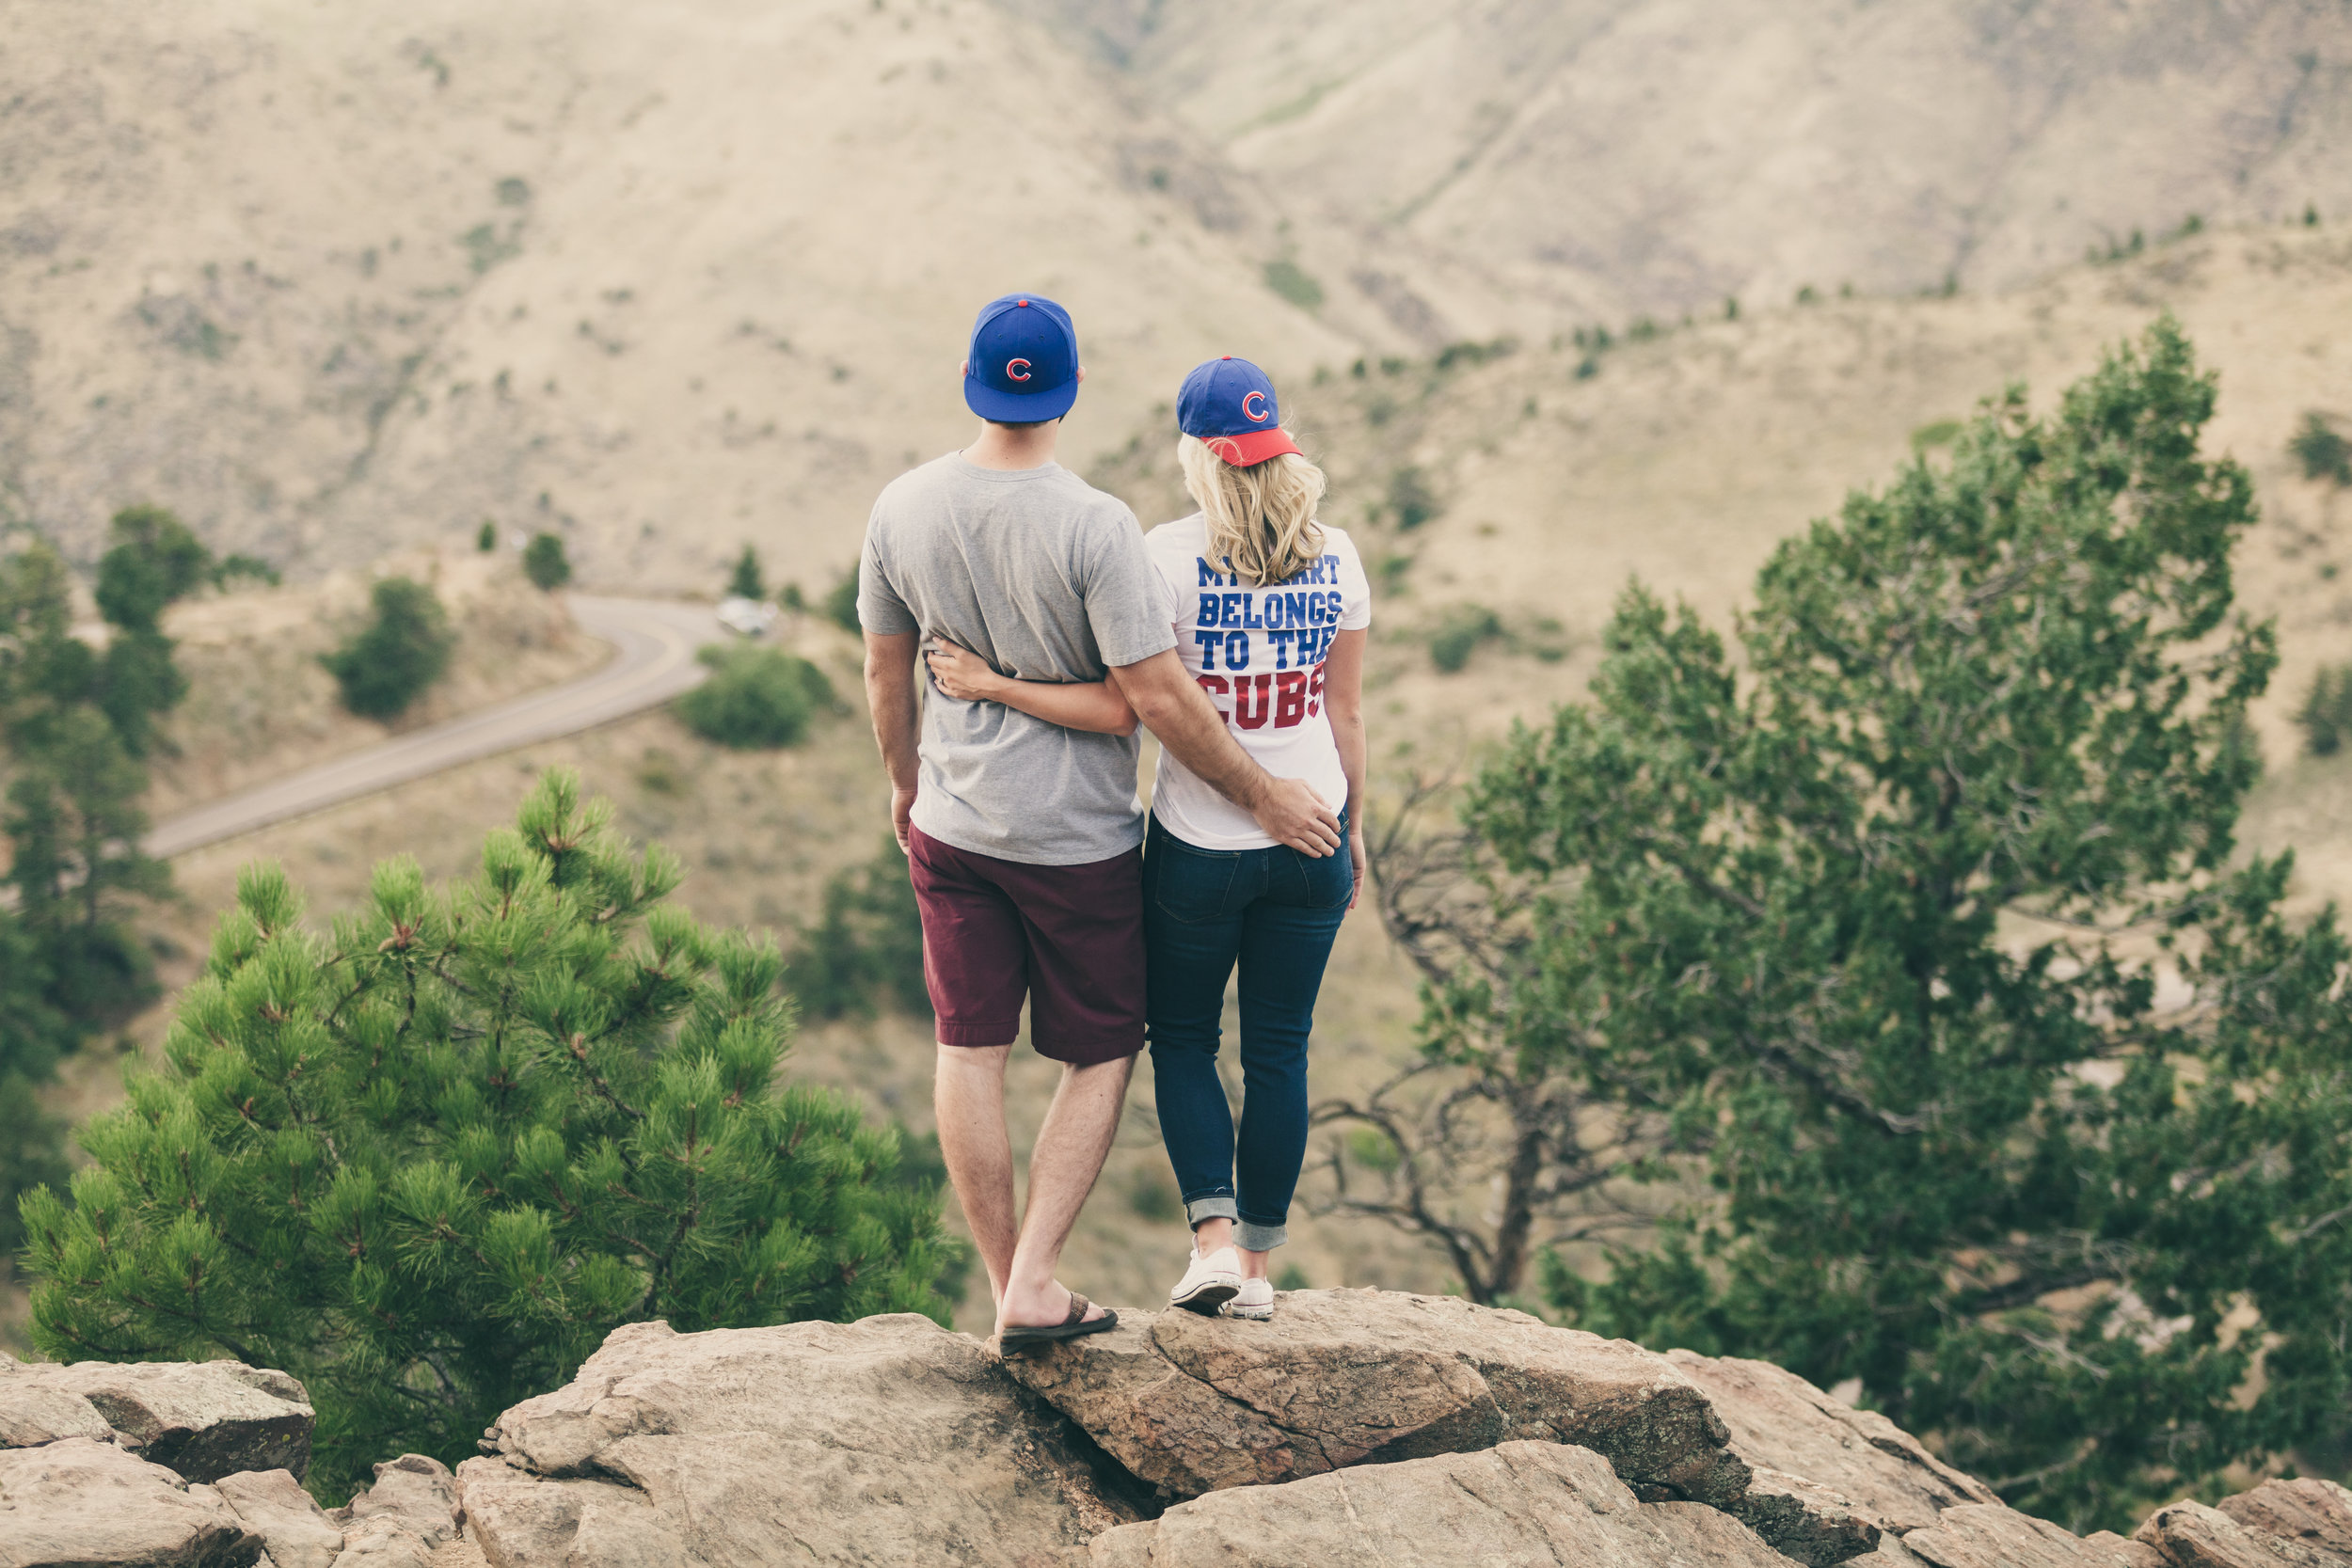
point(1275, 912)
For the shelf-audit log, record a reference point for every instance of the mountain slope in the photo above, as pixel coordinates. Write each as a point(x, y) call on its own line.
point(1610, 156)
point(331, 280)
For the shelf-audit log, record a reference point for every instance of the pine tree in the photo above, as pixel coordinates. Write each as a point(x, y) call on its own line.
point(544, 563)
point(747, 581)
point(388, 663)
point(428, 1160)
point(1907, 966)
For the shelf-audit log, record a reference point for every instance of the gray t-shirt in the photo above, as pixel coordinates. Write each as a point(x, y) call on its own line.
point(1046, 578)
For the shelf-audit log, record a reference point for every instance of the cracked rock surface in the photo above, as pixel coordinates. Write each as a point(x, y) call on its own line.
point(1518, 1502)
point(885, 1441)
point(79, 1501)
point(203, 1420)
point(2277, 1525)
point(1341, 1378)
point(1829, 1479)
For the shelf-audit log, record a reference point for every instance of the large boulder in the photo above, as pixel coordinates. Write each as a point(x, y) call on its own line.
point(2313, 1514)
point(1337, 1378)
point(295, 1530)
point(1518, 1502)
point(81, 1503)
point(1827, 1478)
point(415, 1493)
point(1989, 1535)
point(204, 1419)
point(886, 1441)
point(2190, 1535)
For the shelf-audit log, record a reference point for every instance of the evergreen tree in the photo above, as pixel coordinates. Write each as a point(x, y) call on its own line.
point(388, 663)
point(755, 697)
point(427, 1161)
point(1917, 941)
point(747, 581)
point(866, 950)
point(485, 538)
point(544, 563)
point(151, 561)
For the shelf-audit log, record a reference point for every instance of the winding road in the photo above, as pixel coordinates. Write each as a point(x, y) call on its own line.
point(654, 642)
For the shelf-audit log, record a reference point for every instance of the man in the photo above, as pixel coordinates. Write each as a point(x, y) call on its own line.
point(1025, 836)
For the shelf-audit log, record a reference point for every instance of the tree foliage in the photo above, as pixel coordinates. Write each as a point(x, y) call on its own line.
point(745, 581)
point(1907, 976)
point(544, 563)
point(866, 951)
point(755, 697)
point(404, 648)
point(2322, 449)
point(428, 1160)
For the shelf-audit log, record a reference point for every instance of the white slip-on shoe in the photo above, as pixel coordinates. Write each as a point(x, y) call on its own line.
point(1254, 1302)
point(1210, 1281)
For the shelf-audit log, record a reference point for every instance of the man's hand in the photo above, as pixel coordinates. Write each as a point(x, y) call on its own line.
point(1290, 812)
point(1165, 698)
point(903, 819)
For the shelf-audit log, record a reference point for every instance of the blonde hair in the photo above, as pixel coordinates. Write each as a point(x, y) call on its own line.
point(1261, 519)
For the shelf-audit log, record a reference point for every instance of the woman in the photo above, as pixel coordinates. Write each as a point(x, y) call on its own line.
point(1269, 606)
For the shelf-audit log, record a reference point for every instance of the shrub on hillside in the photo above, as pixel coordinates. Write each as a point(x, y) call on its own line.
point(866, 951)
point(755, 697)
point(427, 1161)
point(746, 581)
point(1460, 633)
point(2326, 715)
point(2322, 449)
point(544, 563)
point(841, 604)
point(388, 663)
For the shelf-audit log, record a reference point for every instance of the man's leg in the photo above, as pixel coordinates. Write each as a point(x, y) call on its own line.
point(968, 1098)
point(1069, 1155)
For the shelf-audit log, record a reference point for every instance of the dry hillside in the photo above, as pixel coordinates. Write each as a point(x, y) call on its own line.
point(332, 280)
point(1603, 157)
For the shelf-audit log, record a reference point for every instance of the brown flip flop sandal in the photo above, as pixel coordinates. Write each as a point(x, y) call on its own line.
point(1074, 1326)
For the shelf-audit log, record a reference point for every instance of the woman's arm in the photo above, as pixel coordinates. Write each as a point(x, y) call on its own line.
point(1094, 706)
point(1344, 700)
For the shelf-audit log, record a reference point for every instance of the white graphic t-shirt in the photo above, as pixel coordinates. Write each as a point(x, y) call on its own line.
point(1258, 651)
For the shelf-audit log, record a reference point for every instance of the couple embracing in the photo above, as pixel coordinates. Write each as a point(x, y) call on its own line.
point(1047, 626)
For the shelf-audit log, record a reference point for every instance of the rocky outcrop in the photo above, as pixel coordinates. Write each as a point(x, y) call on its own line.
point(202, 1419)
point(2314, 1514)
point(887, 1441)
point(2281, 1524)
point(1989, 1535)
point(1341, 1378)
point(1826, 1480)
point(295, 1530)
point(1518, 1502)
point(1356, 1426)
point(79, 1501)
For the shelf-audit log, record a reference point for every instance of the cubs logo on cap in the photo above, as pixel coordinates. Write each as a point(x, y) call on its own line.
point(1229, 403)
point(1024, 364)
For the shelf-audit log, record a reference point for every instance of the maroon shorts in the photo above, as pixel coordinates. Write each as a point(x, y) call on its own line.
point(1069, 936)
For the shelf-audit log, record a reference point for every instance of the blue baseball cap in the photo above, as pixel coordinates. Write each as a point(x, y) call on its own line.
point(1229, 405)
point(1024, 364)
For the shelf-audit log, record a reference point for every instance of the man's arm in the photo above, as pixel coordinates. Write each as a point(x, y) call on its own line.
point(890, 695)
point(1188, 724)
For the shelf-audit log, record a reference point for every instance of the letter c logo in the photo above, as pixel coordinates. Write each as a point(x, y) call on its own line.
point(1017, 369)
point(1254, 406)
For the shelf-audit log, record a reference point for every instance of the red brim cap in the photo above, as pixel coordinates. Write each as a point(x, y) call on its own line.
point(1251, 447)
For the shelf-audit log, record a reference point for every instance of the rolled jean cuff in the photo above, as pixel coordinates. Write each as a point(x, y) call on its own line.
point(1250, 1236)
point(1220, 1208)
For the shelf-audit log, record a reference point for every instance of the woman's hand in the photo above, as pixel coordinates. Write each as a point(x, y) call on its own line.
point(963, 675)
point(1356, 858)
